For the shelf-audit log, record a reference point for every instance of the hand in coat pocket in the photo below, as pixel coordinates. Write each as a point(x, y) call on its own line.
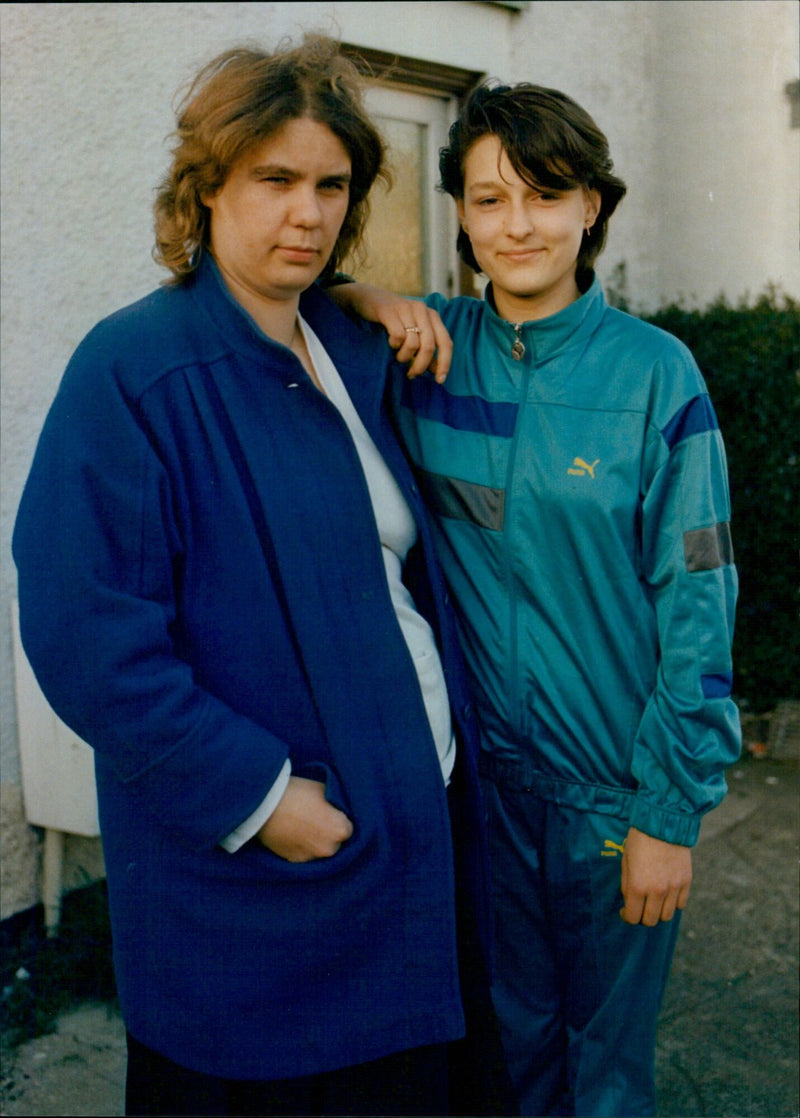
point(304, 826)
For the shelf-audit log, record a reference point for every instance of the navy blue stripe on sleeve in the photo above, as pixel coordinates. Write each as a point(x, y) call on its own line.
point(693, 418)
point(717, 686)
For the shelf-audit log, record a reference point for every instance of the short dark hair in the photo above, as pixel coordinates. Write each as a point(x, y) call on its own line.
point(239, 99)
point(550, 141)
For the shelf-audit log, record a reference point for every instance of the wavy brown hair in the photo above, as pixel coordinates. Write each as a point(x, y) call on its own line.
point(235, 102)
point(550, 141)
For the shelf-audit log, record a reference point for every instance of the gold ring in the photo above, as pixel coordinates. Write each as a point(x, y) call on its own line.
point(413, 330)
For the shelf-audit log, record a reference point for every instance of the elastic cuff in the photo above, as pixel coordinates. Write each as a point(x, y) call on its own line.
point(669, 826)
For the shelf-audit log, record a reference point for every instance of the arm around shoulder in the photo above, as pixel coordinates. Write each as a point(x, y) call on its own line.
point(414, 330)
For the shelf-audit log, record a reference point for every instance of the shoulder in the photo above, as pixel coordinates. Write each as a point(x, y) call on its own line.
point(356, 347)
point(324, 315)
point(648, 342)
point(146, 314)
point(141, 342)
point(653, 369)
point(458, 312)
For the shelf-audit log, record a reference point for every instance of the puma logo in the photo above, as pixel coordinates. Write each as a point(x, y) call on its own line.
point(612, 849)
point(579, 468)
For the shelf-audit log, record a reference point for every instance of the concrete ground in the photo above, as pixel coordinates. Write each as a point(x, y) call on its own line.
point(728, 1042)
point(80, 1069)
point(728, 1037)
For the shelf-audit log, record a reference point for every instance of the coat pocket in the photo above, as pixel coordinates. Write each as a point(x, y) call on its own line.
point(324, 774)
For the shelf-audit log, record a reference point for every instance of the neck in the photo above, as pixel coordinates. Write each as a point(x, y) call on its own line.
point(276, 317)
point(522, 308)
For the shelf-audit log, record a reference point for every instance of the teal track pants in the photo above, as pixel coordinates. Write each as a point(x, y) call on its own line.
point(577, 990)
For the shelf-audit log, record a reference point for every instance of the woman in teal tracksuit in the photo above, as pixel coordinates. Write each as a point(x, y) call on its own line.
point(577, 475)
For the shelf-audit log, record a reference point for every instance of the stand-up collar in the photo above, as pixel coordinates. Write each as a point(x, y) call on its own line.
point(240, 330)
point(545, 338)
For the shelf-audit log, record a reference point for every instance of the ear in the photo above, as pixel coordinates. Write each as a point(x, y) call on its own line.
point(462, 216)
point(592, 203)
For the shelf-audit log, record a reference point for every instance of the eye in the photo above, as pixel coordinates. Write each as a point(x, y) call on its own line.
point(333, 186)
point(486, 203)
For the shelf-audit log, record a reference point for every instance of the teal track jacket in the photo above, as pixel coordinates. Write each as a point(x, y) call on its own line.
point(582, 508)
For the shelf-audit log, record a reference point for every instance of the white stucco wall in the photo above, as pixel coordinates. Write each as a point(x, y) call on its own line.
point(601, 54)
point(728, 172)
point(690, 95)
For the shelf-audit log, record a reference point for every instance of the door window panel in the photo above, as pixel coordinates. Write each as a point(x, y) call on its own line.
point(410, 237)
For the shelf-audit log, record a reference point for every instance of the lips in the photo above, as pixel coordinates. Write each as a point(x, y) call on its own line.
point(521, 256)
point(299, 253)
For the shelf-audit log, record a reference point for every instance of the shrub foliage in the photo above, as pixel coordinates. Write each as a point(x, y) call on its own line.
point(750, 357)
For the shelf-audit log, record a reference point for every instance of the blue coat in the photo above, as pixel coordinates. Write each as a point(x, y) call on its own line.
point(202, 596)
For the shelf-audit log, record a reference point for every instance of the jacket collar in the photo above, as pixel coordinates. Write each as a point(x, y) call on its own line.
point(343, 338)
point(545, 338)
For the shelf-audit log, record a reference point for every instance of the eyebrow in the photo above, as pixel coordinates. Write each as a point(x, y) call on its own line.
point(292, 173)
point(495, 184)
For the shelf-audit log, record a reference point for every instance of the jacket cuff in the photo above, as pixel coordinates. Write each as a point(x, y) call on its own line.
point(669, 826)
point(253, 824)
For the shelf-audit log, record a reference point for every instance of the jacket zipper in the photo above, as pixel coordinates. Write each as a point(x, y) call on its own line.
point(518, 351)
point(517, 346)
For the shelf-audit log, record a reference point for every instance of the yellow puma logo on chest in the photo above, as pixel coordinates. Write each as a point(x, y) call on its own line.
point(579, 468)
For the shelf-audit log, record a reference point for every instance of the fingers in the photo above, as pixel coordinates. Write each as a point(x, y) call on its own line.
point(653, 907)
point(674, 901)
point(633, 907)
point(422, 341)
point(647, 910)
point(657, 909)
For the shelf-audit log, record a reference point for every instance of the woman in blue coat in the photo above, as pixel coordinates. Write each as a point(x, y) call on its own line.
point(227, 587)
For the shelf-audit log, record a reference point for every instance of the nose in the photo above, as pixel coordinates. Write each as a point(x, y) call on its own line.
point(306, 211)
point(519, 219)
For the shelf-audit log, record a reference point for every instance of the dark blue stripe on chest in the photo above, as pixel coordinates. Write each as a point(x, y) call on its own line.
point(429, 400)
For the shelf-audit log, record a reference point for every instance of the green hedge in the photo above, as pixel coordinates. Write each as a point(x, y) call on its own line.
point(750, 357)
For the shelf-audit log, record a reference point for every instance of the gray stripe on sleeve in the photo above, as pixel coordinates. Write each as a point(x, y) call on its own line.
point(706, 549)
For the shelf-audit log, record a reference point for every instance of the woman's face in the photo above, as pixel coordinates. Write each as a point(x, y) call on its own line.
point(525, 240)
point(276, 219)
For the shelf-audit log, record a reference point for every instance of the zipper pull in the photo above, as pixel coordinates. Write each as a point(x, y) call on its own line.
point(518, 348)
